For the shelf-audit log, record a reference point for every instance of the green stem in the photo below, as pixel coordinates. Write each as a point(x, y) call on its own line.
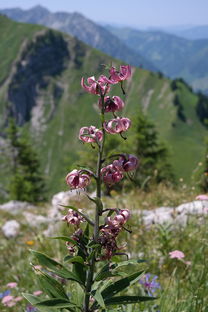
point(90, 272)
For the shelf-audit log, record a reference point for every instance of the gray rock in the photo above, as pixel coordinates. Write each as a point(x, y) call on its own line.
point(15, 206)
point(11, 228)
point(36, 220)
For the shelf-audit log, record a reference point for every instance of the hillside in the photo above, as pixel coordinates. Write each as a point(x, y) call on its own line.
point(172, 55)
point(40, 85)
point(77, 25)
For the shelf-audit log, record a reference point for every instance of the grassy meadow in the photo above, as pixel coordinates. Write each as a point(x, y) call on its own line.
point(183, 283)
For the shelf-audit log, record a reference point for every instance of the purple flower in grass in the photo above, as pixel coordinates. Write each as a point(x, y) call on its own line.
point(30, 308)
point(150, 284)
point(5, 293)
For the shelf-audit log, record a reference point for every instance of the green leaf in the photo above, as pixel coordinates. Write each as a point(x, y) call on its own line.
point(75, 259)
point(121, 284)
point(65, 238)
point(98, 297)
point(127, 300)
point(81, 214)
point(34, 300)
point(105, 272)
point(51, 286)
point(56, 303)
point(55, 267)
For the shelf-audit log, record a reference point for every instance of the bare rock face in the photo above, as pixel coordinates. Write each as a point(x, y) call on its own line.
point(11, 229)
point(40, 59)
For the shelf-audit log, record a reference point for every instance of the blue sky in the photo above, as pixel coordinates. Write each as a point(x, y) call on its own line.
point(128, 12)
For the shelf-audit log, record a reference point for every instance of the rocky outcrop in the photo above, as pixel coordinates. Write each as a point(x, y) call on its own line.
point(41, 59)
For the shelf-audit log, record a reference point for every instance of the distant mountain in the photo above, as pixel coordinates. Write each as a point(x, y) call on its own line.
point(40, 86)
point(191, 33)
point(82, 28)
point(174, 56)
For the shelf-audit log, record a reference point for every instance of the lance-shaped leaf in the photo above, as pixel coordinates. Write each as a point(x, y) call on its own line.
point(98, 297)
point(51, 286)
point(55, 267)
point(121, 284)
point(81, 214)
point(105, 272)
point(75, 259)
point(56, 303)
point(126, 300)
point(34, 300)
point(66, 239)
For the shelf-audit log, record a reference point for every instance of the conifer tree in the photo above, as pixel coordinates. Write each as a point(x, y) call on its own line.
point(153, 155)
point(27, 183)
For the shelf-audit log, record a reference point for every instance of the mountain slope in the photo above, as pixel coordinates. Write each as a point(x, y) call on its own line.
point(84, 29)
point(40, 87)
point(174, 56)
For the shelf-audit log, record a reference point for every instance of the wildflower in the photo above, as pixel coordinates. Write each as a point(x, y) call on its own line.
point(8, 300)
point(37, 293)
point(111, 174)
point(12, 285)
point(202, 197)
point(176, 254)
point(118, 76)
point(117, 125)
point(30, 242)
point(112, 104)
point(90, 134)
point(17, 299)
point(5, 293)
point(126, 163)
point(73, 217)
point(149, 283)
point(76, 179)
point(100, 86)
point(30, 308)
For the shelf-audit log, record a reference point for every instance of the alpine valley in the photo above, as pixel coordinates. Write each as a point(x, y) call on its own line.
point(40, 73)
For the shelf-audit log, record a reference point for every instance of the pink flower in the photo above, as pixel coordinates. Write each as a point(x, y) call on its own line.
point(126, 163)
point(76, 179)
point(117, 125)
point(17, 299)
point(202, 197)
point(37, 293)
point(113, 104)
point(73, 217)
point(177, 254)
point(118, 76)
point(101, 86)
point(7, 300)
point(90, 134)
point(12, 285)
point(111, 174)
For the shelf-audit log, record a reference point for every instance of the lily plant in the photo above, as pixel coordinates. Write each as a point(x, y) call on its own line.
point(93, 245)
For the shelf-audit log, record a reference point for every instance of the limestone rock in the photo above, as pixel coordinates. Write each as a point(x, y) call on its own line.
point(11, 228)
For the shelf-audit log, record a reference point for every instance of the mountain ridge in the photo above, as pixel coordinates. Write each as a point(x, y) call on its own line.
point(84, 29)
